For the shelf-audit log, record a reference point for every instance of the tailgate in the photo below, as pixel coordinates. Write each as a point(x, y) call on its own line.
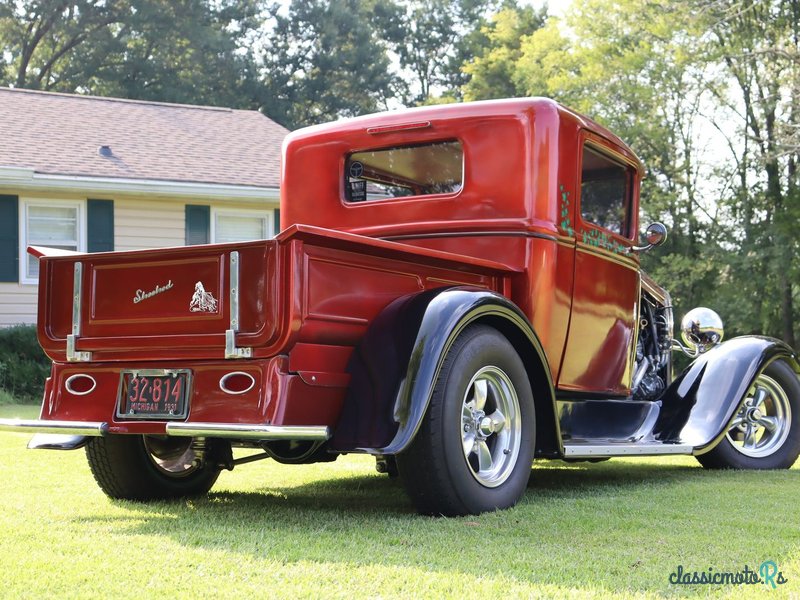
point(165, 303)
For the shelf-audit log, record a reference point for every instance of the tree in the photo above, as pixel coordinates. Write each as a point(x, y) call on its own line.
point(491, 71)
point(40, 35)
point(758, 44)
point(325, 60)
point(179, 51)
point(432, 40)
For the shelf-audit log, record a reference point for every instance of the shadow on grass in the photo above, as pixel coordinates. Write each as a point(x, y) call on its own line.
point(571, 515)
point(557, 479)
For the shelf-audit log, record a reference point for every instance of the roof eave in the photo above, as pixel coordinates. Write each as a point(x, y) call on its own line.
point(28, 180)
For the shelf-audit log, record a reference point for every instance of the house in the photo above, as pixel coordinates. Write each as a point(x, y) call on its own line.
point(98, 174)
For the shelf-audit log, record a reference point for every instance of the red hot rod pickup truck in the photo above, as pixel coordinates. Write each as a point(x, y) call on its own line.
point(455, 290)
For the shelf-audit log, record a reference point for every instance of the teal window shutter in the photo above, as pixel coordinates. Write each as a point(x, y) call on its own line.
point(276, 224)
point(198, 224)
point(100, 225)
point(9, 238)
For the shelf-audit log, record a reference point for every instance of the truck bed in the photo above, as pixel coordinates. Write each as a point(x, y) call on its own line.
point(240, 300)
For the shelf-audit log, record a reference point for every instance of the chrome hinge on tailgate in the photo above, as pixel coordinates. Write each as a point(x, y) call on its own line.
point(77, 292)
point(231, 351)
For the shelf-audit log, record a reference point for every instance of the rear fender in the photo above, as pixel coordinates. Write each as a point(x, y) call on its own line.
point(699, 405)
point(394, 369)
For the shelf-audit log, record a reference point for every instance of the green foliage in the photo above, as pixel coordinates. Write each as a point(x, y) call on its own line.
point(6, 399)
point(432, 40)
point(191, 51)
point(492, 71)
point(23, 365)
point(325, 60)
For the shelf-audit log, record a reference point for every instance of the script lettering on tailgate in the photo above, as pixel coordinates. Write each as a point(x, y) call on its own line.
point(142, 295)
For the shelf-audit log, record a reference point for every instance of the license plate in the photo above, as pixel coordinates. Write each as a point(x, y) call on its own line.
point(154, 394)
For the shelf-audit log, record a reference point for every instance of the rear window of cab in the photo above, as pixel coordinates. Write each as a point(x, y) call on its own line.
point(404, 171)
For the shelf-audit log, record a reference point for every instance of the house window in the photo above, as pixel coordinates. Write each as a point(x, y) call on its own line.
point(240, 225)
point(605, 192)
point(52, 224)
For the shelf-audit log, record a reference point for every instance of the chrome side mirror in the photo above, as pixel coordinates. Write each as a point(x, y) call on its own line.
point(701, 330)
point(655, 235)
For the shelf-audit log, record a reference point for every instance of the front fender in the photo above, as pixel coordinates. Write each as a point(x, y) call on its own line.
point(394, 370)
point(699, 405)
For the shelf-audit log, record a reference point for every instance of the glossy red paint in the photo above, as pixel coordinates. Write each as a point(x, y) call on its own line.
point(306, 298)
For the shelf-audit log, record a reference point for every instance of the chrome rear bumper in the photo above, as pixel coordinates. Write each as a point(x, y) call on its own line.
point(238, 431)
point(233, 431)
point(60, 427)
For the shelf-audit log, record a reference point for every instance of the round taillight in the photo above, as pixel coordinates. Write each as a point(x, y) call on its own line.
point(237, 382)
point(80, 384)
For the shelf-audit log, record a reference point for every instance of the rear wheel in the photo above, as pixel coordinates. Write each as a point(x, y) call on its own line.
point(765, 433)
point(135, 467)
point(474, 450)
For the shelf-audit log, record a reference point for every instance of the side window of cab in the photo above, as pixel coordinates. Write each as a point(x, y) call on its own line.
point(606, 192)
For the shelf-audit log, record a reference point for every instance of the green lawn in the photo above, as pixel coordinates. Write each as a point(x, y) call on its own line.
point(341, 530)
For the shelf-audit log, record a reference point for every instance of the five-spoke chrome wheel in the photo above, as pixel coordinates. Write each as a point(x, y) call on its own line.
point(490, 426)
point(765, 431)
point(474, 449)
point(763, 422)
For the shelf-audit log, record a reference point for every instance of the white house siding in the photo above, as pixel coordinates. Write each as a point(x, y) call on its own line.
point(140, 224)
point(17, 304)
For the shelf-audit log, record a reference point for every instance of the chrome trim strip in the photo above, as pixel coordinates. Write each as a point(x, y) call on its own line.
point(231, 351)
point(613, 449)
point(234, 290)
point(77, 295)
point(77, 292)
point(95, 428)
point(241, 431)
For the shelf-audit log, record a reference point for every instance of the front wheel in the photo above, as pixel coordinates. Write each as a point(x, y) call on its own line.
point(473, 452)
point(135, 467)
point(765, 433)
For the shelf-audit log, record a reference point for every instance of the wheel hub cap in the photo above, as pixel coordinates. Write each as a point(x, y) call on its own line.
point(762, 424)
point(491, 426)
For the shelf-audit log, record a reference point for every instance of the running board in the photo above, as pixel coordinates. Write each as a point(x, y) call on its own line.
point(593, 450)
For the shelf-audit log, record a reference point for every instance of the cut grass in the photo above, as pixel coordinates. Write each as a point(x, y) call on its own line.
point(614, 529)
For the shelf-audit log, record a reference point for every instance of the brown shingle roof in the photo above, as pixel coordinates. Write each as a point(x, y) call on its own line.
point(61, 134)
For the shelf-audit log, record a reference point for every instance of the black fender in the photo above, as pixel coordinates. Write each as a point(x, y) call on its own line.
point(701, 402)
point(394, 369)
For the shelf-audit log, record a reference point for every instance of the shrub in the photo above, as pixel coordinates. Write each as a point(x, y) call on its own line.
point(23, 365)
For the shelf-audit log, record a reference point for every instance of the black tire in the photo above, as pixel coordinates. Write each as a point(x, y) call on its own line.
point(126, 467)
point(441, 475)
point(774, 400)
